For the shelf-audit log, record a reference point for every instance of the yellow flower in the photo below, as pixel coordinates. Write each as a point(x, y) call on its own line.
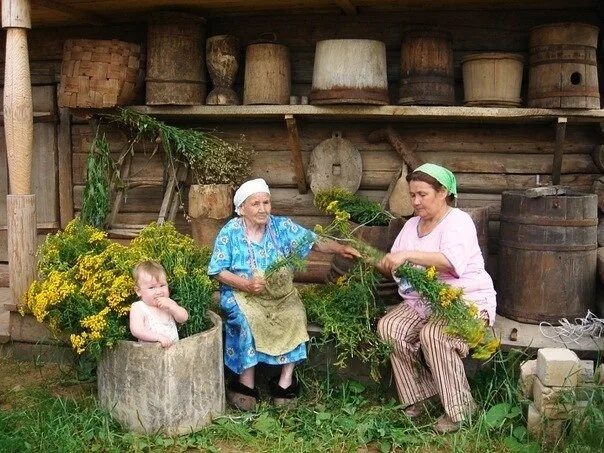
point(473, 310)
point(431, 273)
point(319, 229)
point(332, 207)
point(342, 216)
point(97, 236)
point(341, 281)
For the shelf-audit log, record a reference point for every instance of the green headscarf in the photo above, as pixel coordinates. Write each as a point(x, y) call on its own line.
point(442, 175)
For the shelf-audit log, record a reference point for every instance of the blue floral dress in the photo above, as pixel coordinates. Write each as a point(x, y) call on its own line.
point(233, 252)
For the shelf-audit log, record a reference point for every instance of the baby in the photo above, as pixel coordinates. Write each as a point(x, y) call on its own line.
point(154, 317)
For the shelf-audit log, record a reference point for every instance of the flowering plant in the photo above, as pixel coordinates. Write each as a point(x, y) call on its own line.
point(85, 286)
point(359, 209)
point(446, 302)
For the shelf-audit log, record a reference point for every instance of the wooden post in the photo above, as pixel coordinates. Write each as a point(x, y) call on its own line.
point(296, 150)
point(18, 127)
point(558, 150)
point(65, 168)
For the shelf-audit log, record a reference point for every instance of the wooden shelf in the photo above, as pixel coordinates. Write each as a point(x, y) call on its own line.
point(389, 113)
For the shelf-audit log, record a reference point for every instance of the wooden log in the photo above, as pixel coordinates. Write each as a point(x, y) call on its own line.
point(65, 169)
point(21, 243)
point(598, 189)
point(210, 207)
point(396, 141)
point(267, 74)
point(16, 14)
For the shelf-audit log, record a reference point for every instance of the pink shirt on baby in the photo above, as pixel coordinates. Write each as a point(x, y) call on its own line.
point(455, 237)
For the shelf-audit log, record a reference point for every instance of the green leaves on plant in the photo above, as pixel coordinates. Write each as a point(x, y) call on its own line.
point(499, 413)
point(95, 202)
point(362, 210)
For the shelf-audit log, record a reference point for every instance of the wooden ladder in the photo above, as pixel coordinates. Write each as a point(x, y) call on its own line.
point(169, 205)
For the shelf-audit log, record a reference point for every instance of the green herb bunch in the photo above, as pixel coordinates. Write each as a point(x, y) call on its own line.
point(446, 303)
point(99, 169)
point(347, 311)
point(362, 210)
point(210, 159)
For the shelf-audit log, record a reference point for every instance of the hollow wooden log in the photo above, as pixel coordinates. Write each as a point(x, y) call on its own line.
point(21, 226)
point(210, 206)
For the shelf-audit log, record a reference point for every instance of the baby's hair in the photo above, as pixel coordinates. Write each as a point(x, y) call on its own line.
point(152, 268)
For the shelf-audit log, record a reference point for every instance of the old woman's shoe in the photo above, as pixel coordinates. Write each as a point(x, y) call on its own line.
point(445, 425)
point(284, 397)
point(241, 396)
point(415, 410)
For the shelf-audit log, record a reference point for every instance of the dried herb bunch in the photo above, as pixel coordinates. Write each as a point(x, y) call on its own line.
point(362, 210)
point(210, 159)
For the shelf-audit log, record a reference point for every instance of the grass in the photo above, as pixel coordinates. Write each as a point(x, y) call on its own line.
point(53, 414)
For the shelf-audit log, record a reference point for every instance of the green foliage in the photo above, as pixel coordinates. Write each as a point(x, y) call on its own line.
point(347, 311)
point(210, 159)
point(362, 210)
point(99, 166)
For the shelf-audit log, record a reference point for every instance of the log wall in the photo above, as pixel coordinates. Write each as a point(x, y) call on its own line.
point(487, 158)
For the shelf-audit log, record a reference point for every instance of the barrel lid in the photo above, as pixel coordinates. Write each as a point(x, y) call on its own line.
point(493, 56)
point(564, 33)
point(335, 162)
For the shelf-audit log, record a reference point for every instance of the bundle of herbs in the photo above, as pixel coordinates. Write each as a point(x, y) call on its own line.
point(362, 210)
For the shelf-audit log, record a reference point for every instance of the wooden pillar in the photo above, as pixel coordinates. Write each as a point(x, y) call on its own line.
point(18, 127)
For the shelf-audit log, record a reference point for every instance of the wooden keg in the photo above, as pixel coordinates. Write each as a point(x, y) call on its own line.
point(349, 71)
point(563, 67)
point(547, 256)
point(175, 63)
point(426, 68)
point(267, 74)
point(210, 208)
point(492, 79)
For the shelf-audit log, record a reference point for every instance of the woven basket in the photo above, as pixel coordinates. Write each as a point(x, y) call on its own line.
point(99, 73)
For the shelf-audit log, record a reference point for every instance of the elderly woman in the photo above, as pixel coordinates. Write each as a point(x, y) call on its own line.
point(426, 361)
point(263, 324)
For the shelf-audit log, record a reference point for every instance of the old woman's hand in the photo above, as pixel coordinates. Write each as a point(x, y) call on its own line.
point(349, 252)
point(255, 285)
point(391, 261)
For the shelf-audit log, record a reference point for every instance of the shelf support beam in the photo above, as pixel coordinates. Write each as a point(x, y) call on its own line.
point(558, 150)
point(296, 150)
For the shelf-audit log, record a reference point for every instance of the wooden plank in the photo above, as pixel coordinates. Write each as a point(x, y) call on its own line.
point(379, 113)
point(346, 6)
point(559, 150)
point(296, 154)
point(72, 11)
point(64, 168)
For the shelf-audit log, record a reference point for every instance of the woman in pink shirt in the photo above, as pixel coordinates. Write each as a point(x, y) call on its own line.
point(444, 237)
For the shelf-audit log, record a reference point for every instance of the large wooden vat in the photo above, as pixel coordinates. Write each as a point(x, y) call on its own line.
point(563, 67)
point(267, 74)
point(547, 256)
point(175, 61)
point(426, 68)
point(492, 79)
point(349, 71)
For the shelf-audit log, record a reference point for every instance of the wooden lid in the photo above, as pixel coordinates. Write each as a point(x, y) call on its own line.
point(335, 162)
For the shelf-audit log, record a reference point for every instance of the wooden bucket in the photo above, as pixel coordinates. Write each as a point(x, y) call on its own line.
point(267, 74)
point(492, 79)
point(547, 256)
point(176, 72)
point(563, 67)
point(210, 207)
point(350, 71)
point(99, 73)
point(426, 68)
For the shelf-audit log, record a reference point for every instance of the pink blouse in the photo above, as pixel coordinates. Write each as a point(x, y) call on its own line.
point(455, 237)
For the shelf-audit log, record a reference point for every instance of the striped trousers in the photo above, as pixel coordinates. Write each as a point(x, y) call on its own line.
point(441, 374)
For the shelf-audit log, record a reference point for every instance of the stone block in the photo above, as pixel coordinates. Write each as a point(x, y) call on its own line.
point(171, 391)
point(600, 374)
point(557, 403)
point(528, 370)
point(550, 433)
point(586, 375)
point(558, 367)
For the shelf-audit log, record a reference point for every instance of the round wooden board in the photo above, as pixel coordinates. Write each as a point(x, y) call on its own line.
point(335, 162)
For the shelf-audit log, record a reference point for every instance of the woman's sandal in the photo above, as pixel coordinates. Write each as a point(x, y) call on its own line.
point(284, 397)
point(241, 396)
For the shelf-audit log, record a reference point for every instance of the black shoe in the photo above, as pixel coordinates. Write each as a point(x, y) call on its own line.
point(241, 396)
point(277, 391)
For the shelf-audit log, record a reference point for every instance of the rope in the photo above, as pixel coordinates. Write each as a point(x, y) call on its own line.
point(590, 326)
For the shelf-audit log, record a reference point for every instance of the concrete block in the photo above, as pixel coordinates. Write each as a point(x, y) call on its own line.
point(528, 370)
point(587, 371)
point(557, 403)
point(558, 367)
point(549, 433)
point(171, 391)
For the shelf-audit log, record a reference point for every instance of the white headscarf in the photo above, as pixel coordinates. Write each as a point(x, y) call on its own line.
point(249, 188)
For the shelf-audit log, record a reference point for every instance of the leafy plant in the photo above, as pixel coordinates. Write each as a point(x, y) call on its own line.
point(99, 166)
point(210, 159)
point(85, 286)
point(362, 210)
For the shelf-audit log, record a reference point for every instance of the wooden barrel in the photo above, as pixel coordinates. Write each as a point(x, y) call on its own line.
point(210, 208)
point(426, 68)
point(349, 71)
point(492, 79)
point(480, 216)
point(267, 74)
point(175, 61)
point(563, 67)
point(547, 256)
